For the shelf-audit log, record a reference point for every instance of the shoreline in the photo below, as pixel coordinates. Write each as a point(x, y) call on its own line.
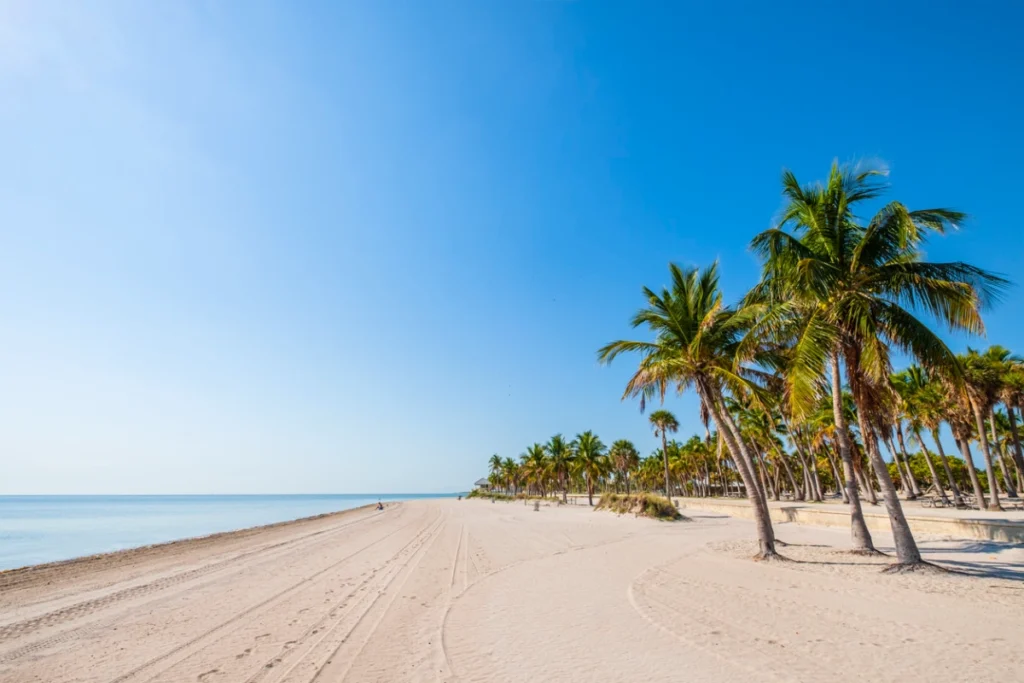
point(188, 542)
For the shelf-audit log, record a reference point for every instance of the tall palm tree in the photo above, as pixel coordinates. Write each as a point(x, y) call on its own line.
point(535, 467)
point(591, 461)
point(663, 422)
point(624, 458)
point(851, 291)
point(560, 456)
point(696, 345)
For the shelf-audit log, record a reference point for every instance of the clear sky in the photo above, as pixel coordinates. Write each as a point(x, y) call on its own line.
point(360, 246)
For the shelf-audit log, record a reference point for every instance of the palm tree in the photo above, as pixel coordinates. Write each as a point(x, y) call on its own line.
point(664, 422)
point(850, 292)
point(535, 466)
point(511, 474)
point(1003, 363)
point(982, 388)
point(911, 386)
point(625, 458)
point(696, 345)
point(591, 461)
point(1012, 395)
point(495, 464)
point(560, 456)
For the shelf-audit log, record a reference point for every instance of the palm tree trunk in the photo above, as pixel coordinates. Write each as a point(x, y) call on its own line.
point(931, 468)
point(865, 482)
point(797, 492)
point(858, 527)
point(965, 451)
point(907, 552)
point(766, 476)
point(806, 485)
point(759, 483)
point(957, 496)
point(836, 476)
point(727, 428)
point(993, 486)
point(664, 455)
point(722, 483)
point(906, 547)
point(1018, 456)
point(1000, 449)
point(815, 478)
point(905, 487)
point(906, 458)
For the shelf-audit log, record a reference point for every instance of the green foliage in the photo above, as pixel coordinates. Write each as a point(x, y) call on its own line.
point(481, 493)
point(833, 284)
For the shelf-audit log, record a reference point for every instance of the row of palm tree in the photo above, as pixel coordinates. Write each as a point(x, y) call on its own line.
point(836, 298)
point(798, 463)
point(797, 377)
point(558, 465)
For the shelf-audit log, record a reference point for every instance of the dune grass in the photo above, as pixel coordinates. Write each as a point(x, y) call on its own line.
point(641, 505)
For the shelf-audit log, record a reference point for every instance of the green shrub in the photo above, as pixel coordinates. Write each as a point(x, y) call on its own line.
point(640, 504)
point(480, 493)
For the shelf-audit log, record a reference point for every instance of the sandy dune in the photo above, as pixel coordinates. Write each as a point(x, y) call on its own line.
point(474, 591)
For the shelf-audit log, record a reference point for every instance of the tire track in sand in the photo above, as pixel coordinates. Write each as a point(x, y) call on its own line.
point(84, 608)
point(324, 655)
point(225, 627)
point(327, 626)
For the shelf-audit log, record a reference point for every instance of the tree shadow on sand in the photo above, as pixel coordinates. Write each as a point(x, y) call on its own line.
point(969, 562)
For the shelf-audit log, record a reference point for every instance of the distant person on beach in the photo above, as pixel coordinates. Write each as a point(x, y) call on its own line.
point(380, 505)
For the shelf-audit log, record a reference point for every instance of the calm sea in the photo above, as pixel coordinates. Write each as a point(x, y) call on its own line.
point(36, 529)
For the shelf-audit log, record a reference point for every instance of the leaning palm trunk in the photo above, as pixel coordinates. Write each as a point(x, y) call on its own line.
point(965, 452)
point(766, 474)
point(957, 497)
point(858, 527)
point(1000, 449)
point(931, 469)
point(761, 484)
point(993, 485)
point(1018, 457)
point(837, 476)
point(781, 457)
point(727, 428)
point(815, 479)
point(903, 469)
point(906, 458)
point(865, 481)
point(906, 548)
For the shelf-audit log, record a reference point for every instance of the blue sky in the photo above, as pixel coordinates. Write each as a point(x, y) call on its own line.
point(342, 247)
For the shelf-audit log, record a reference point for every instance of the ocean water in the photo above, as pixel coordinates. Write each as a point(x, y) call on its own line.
point(37, 529)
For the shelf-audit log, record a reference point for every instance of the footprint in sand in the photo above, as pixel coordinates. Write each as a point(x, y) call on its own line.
point(244, 654)
point(202, 678)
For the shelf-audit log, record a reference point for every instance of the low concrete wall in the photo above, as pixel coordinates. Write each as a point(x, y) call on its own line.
point(1006, 530)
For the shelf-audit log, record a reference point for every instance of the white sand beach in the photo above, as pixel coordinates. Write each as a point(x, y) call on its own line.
point(469, 590)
